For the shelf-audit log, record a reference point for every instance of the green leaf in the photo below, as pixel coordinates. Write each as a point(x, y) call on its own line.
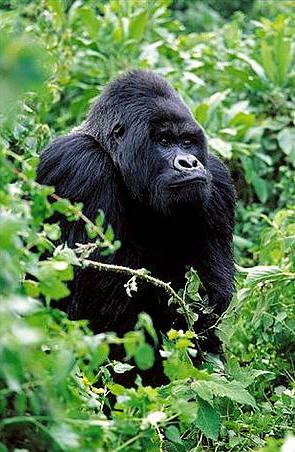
point(121, 368)
point(207, 419)
point(99, 221)
point(31, 288)
point(261, 187)
point(232, 390)
point(172, 433)
point(203, 391)
point(109, 234)
point(100, 354)
point(54, 289)
point(116, 389)
point(261, 272)
point(145, 321)
point(90, 21)
point(286, 139)
point(256, 67)
point(283, 53)
point(144, 357)
point(201, 113)
point(267, 61)
point(222, 147)
point(137, 26)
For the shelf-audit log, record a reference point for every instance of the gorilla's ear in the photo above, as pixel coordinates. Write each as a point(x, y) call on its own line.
point(118, 132)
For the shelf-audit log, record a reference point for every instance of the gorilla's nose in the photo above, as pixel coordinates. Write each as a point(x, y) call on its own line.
point(186, 162)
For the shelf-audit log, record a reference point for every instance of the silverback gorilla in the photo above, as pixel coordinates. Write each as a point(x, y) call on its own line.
point(142, 158)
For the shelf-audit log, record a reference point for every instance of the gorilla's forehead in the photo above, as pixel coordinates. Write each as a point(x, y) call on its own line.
point(173, 115)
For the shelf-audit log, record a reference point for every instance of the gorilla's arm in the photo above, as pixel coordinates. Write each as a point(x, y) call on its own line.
point(215, 263)
point(81, 171)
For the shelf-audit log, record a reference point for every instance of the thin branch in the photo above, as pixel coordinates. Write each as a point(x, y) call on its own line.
point(140, 274)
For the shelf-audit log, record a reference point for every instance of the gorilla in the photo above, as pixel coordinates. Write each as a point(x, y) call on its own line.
point(142, 159)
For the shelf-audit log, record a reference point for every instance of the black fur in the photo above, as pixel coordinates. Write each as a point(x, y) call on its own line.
point(113, 162)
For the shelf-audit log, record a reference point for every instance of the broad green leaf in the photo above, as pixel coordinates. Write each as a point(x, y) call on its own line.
point(221, 146)
point(54, 288)
point(232, 390)
point(261, 187)
point(172, 433)
point(207, 419)
point(244, 119)
point(31, 288)
point(145, 321)
point(286, 139)
point(90, 21)
point(144, 356)
point(203, 391)
point(100, 354)
point(116, 389)
point(201, 113)
point(137, 26)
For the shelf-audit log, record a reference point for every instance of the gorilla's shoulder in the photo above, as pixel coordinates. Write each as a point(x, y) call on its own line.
point(70, 162)
point(72, 144)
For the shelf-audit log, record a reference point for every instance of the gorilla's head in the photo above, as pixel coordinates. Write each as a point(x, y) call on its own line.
point(153, 140)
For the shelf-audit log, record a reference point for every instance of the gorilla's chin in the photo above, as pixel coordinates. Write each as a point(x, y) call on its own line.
point(168, 199)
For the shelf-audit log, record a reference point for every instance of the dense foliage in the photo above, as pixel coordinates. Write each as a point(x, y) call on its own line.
point(236, 71)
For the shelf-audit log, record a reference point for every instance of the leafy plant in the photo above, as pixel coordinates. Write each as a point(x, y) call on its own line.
point(59, 387)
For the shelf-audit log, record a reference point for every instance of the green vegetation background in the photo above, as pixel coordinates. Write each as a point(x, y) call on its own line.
point(233, 63)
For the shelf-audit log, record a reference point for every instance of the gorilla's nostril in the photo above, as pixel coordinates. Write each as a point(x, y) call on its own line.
point(184, 163)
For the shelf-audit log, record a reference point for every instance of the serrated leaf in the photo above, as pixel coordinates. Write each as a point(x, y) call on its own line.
point(261, 272)
point(232, 390)
point(207, 419)
point(203, 391)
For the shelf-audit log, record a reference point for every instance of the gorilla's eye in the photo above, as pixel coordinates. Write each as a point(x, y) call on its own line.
point(164, 141)
point(118, 132)
point(187, 142)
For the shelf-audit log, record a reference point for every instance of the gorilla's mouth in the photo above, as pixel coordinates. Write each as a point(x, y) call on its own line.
point(199, 179)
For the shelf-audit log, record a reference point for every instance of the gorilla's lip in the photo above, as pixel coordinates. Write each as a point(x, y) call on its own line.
point(188, 181)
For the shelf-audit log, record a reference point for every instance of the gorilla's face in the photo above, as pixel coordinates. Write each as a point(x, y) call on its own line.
point(180, 169)
point(156, 145)
point(164, 162)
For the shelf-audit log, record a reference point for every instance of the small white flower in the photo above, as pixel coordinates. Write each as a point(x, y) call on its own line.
point(155, 417)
